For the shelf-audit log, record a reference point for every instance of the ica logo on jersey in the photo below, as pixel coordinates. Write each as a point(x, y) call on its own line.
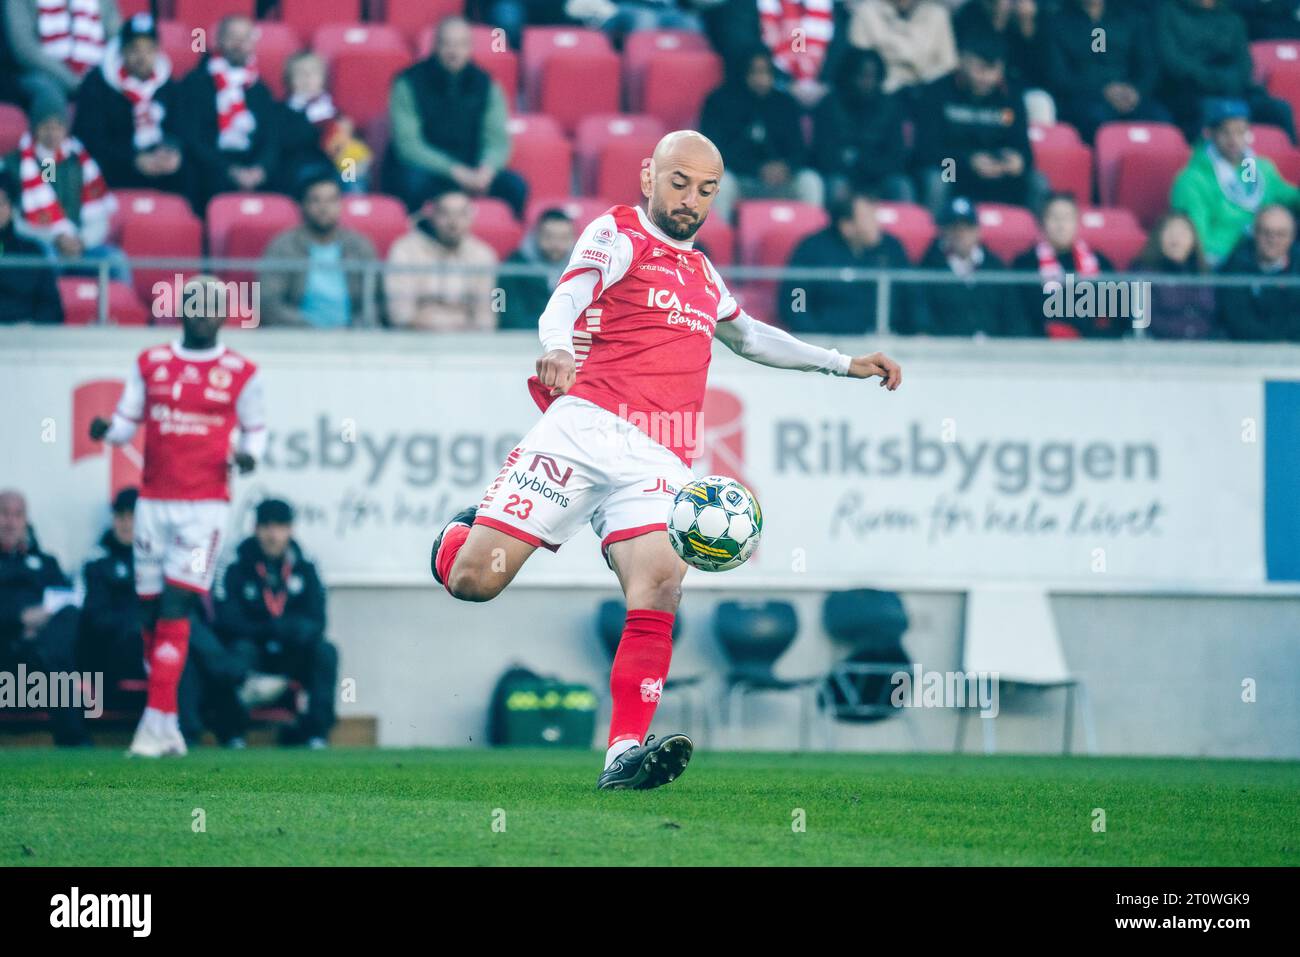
point(679, 313)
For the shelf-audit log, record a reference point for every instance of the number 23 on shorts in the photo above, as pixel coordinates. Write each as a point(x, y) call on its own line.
point(518, 507)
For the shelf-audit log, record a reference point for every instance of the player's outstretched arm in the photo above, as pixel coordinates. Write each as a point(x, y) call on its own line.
point(770, 346)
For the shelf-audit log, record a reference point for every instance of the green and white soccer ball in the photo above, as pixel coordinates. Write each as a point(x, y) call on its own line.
point(715, 523)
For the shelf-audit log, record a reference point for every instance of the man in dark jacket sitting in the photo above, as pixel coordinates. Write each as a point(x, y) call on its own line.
point(853, 239)
point(228, 119)
point(271, 614)
point(967, 308)
point(127, 113)
point(38, 621)
point(26, 294)
point(1264, 312)
point(449, 127)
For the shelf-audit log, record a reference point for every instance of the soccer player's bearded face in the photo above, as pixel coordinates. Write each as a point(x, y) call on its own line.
point(681, 197)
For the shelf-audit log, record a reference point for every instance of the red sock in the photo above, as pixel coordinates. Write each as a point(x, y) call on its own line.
point(636, 681)
point(170, 647)
point(452, 540)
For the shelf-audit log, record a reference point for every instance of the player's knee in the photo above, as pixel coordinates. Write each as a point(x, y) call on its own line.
point(659, 593)
point(469, 583)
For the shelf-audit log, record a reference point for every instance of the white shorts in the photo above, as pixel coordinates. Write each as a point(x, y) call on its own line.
point(177, 543)
point(579, 464)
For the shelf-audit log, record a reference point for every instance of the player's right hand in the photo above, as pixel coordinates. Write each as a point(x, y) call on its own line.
point(98, 428)
point(557, 371)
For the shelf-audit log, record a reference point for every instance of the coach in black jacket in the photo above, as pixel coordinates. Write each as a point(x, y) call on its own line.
point(29, 633)
point(271, 613)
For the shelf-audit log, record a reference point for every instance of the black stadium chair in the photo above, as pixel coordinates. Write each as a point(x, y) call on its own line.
point(871, 624)
point(753, 636)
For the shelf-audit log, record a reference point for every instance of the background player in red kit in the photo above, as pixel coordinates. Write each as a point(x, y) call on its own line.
point(627, 338)
point(189, 396)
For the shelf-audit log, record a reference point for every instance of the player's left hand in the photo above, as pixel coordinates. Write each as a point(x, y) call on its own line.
point(877, 364)
point(244, 462)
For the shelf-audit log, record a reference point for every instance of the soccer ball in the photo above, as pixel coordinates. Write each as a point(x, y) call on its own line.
point(715, 523)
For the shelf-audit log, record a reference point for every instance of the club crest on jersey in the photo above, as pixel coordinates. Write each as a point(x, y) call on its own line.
point(190, 374)
point(219, 378)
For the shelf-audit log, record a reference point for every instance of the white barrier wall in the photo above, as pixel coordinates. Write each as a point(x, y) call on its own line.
point(1119, 476)
point(1125, 466)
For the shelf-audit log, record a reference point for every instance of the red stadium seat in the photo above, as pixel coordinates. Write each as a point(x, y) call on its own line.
point(910, 224)
point(595, 133)
point(675, 86)
point(176, 40)
point(80, 298)
point(1114, 233)
point(718, 241)
point(495, 224)
point(1145, 181)
point(1285, 85)
point(769, 229)
point(642, 46)
point(307, 16)
point(154, 224)
point(198, 13)
point(540, 153)
point(542, 43)
point(1061, 157)
point(575, 85)
point(360, 80)
point(13, 124)
point(1156, 143)
point(241, 225)
point(581, 209)
point(1006, 231)
point(1270, 56)
point(414, 19)
point(276, 42)
point(129, 8)
point(380, 218)
point(333, 39)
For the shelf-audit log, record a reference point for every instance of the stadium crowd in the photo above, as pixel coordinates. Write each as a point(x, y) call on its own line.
point(1052, 137)
point(264, 627)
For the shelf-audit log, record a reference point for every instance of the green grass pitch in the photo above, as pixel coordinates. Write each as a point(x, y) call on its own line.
point(370, 807)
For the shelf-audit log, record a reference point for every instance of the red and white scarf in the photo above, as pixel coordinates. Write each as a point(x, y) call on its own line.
point(1049, 266)
point(235, 121)
point(71, 32)
point(798, 33)
point(318, 109)
point(147, 112)
point(40, 204)
point(1053, 274)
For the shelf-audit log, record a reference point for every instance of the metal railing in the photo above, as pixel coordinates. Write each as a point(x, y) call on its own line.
point(372, 273)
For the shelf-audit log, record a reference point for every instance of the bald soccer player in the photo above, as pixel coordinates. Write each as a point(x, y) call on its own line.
point(626, 341)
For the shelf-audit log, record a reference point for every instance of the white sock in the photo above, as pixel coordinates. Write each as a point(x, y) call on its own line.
point(619, 747)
